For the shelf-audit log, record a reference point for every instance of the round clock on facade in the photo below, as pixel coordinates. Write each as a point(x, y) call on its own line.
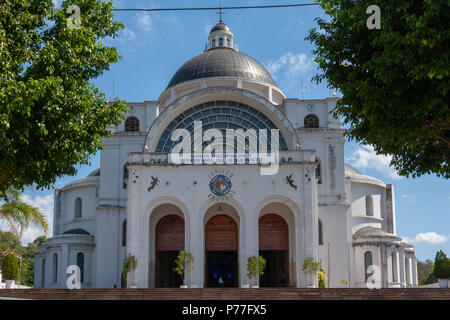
point(220, 185)
point(310, 107)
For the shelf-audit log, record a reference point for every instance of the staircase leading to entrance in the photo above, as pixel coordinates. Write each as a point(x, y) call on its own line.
point(229, 294)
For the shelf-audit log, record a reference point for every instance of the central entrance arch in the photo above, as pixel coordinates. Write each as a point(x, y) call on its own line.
point(221, 246)
point(274, 247)
point(169, 240)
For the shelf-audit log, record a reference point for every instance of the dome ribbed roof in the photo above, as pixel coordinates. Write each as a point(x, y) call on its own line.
point(220, 27)
point(221, 62)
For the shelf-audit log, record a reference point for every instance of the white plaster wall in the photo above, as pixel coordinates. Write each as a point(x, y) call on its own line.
point(359, 272)
point(195, 200)
point(89, 201)
point(108, 247)
point(359, 191)
point(336, 248)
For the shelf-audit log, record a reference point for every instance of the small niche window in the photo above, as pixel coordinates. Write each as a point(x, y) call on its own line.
point(318, 171)
point(320, 233)
point(311, 121)
point(369, 206)
point(131, 124)
point(55, 268)
point(220, 42)
point(125, 177)
point(367, 263)
point(124, 233)
point(213, 43)
point(80, 264)
point(78, 208)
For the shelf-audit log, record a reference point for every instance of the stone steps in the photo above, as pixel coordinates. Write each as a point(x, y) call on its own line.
point(229, 294)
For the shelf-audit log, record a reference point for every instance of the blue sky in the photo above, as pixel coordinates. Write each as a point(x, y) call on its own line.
point(154, 45)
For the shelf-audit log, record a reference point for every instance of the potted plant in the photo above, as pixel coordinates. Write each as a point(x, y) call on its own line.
point(311, 267)
point(255, 269)
point(441, 269)
point(183, 263)
point(321, 278)
point(10, 270)
point(129, 265)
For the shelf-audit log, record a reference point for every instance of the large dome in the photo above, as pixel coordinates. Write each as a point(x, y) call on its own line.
point(221, 62)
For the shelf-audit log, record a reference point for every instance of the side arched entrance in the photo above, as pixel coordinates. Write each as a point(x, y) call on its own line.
point(274, 247)
point(169, 240)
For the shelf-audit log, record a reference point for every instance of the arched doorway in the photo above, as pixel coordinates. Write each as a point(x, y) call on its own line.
point(169, 240)
point(221, 237)
point(274, 247)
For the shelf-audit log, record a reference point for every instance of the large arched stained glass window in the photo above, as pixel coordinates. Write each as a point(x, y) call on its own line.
point(220, 115)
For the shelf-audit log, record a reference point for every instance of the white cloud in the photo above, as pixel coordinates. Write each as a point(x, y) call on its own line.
point(431, 238)
point(144, 21)
point(126, 35)
point(292, 64)
point(428, 238)
point(408, 239)
point(365, 157)
point(407, 198)
point(45, 204)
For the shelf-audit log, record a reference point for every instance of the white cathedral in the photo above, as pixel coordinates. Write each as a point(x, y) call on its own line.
point(141, 203)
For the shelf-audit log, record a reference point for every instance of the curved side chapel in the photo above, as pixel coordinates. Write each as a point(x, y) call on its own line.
point(141, 202)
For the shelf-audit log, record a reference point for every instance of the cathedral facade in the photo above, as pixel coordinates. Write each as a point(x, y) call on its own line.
point(148, 202)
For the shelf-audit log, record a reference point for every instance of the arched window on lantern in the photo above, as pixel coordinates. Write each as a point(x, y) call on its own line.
point(131, 124)
point(220, 42)
point(311, 121)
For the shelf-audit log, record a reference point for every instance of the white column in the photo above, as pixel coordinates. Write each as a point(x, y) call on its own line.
point(250, 245)
point(65, 262)
point(310, 228)
point(196, 246)
point(402, 268)
point(395, 268)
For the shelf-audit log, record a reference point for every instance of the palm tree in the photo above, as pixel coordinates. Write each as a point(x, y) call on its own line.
point(19, 215)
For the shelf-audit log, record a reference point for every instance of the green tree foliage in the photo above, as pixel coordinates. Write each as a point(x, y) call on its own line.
point(310, 265)
point(441, 268)
point(255, 267)
point(9, 242)
point(51, 117)
point(394, 80)
point(10, 267)
point(183, 263)
point(28, 254)
point(20, 215)
point(129, 264)
point(425, 272)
